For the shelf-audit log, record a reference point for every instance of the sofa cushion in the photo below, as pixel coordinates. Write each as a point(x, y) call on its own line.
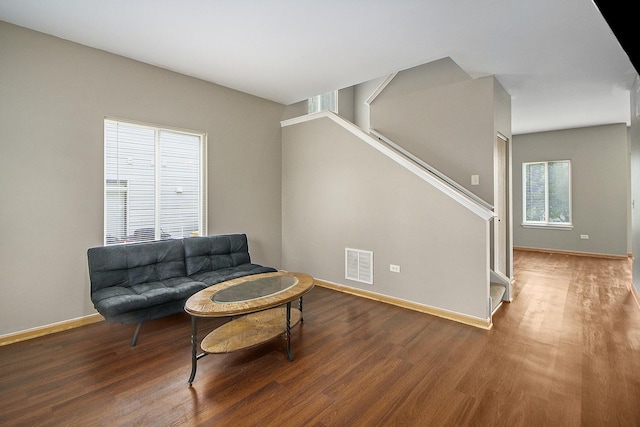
point(211, 253)
point(217, 276)
point(116, 300)
point(155, 261)
point(133, 264)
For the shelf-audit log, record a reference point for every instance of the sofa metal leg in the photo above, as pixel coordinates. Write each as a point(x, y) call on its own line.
point(134, 340)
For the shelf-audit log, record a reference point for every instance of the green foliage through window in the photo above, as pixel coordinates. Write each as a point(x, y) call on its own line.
point(547, 192)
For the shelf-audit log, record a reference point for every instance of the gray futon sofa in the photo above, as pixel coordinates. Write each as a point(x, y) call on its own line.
point(144, 281)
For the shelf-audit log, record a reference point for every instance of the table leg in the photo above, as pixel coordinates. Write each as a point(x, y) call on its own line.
point(194, 348)
point(289, 355)
point(300, 307)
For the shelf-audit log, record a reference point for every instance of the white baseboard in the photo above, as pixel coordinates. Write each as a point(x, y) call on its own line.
point(574, 253)
point(434, 311)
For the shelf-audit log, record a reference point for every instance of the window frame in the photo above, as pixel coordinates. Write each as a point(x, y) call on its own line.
point(567, 225)
point(157, 165)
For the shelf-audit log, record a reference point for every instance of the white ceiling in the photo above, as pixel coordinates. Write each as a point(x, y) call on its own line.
point(559, 60)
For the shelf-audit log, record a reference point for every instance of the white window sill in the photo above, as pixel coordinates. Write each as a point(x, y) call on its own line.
point(548, 226)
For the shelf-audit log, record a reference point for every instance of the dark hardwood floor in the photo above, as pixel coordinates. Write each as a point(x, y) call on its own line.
point(565, 352)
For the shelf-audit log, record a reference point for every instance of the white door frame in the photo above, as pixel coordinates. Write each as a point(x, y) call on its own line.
point(503, 250)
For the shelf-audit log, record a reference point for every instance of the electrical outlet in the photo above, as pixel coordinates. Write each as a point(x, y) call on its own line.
point(584, 236)
point(394, 268)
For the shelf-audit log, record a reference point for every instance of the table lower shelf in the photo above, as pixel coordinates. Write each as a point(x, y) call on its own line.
point(249, 330)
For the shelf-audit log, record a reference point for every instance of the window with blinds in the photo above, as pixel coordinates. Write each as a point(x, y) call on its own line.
point(547, 193)
point(154, 183)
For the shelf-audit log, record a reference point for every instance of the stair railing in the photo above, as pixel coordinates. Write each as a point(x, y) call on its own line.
point(431, 170)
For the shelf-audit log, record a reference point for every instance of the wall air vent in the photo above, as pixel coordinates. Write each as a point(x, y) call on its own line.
point(359, 265)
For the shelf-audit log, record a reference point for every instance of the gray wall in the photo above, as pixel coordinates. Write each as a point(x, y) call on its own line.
point(339, 193)
point(54, 96)
point(600, 182)
point(296, 110)
point(346, 99)
point(634, 140)
point(501, 110)
point(361, 94)
point(442, 116)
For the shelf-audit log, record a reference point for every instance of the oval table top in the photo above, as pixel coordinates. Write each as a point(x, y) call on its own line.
point(205, 304)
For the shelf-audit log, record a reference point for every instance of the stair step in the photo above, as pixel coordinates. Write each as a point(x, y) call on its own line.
point(496, 291)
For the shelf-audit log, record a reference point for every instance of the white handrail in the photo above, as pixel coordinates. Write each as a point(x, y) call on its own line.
point(444, 186)
point(431, 169)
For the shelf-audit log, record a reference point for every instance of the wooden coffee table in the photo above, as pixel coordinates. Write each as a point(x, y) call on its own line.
point(258, 301)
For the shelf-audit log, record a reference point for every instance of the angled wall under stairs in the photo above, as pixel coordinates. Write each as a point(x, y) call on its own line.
point(344, 189)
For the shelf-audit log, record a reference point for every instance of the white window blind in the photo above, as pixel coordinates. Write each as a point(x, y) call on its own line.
point(547, 193)
point(116, 206)
point(154, 183)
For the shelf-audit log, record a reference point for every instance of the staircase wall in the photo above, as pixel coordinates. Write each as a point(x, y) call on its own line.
point(446, 118)
point(338, 192)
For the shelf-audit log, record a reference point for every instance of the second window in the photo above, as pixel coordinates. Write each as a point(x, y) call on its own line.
point(547, 193)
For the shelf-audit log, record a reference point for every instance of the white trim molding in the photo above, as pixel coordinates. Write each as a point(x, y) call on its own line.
point(380, 88)
point(422, 308)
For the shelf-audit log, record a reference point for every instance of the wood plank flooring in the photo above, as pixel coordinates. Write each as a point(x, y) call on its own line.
point(565, 352)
